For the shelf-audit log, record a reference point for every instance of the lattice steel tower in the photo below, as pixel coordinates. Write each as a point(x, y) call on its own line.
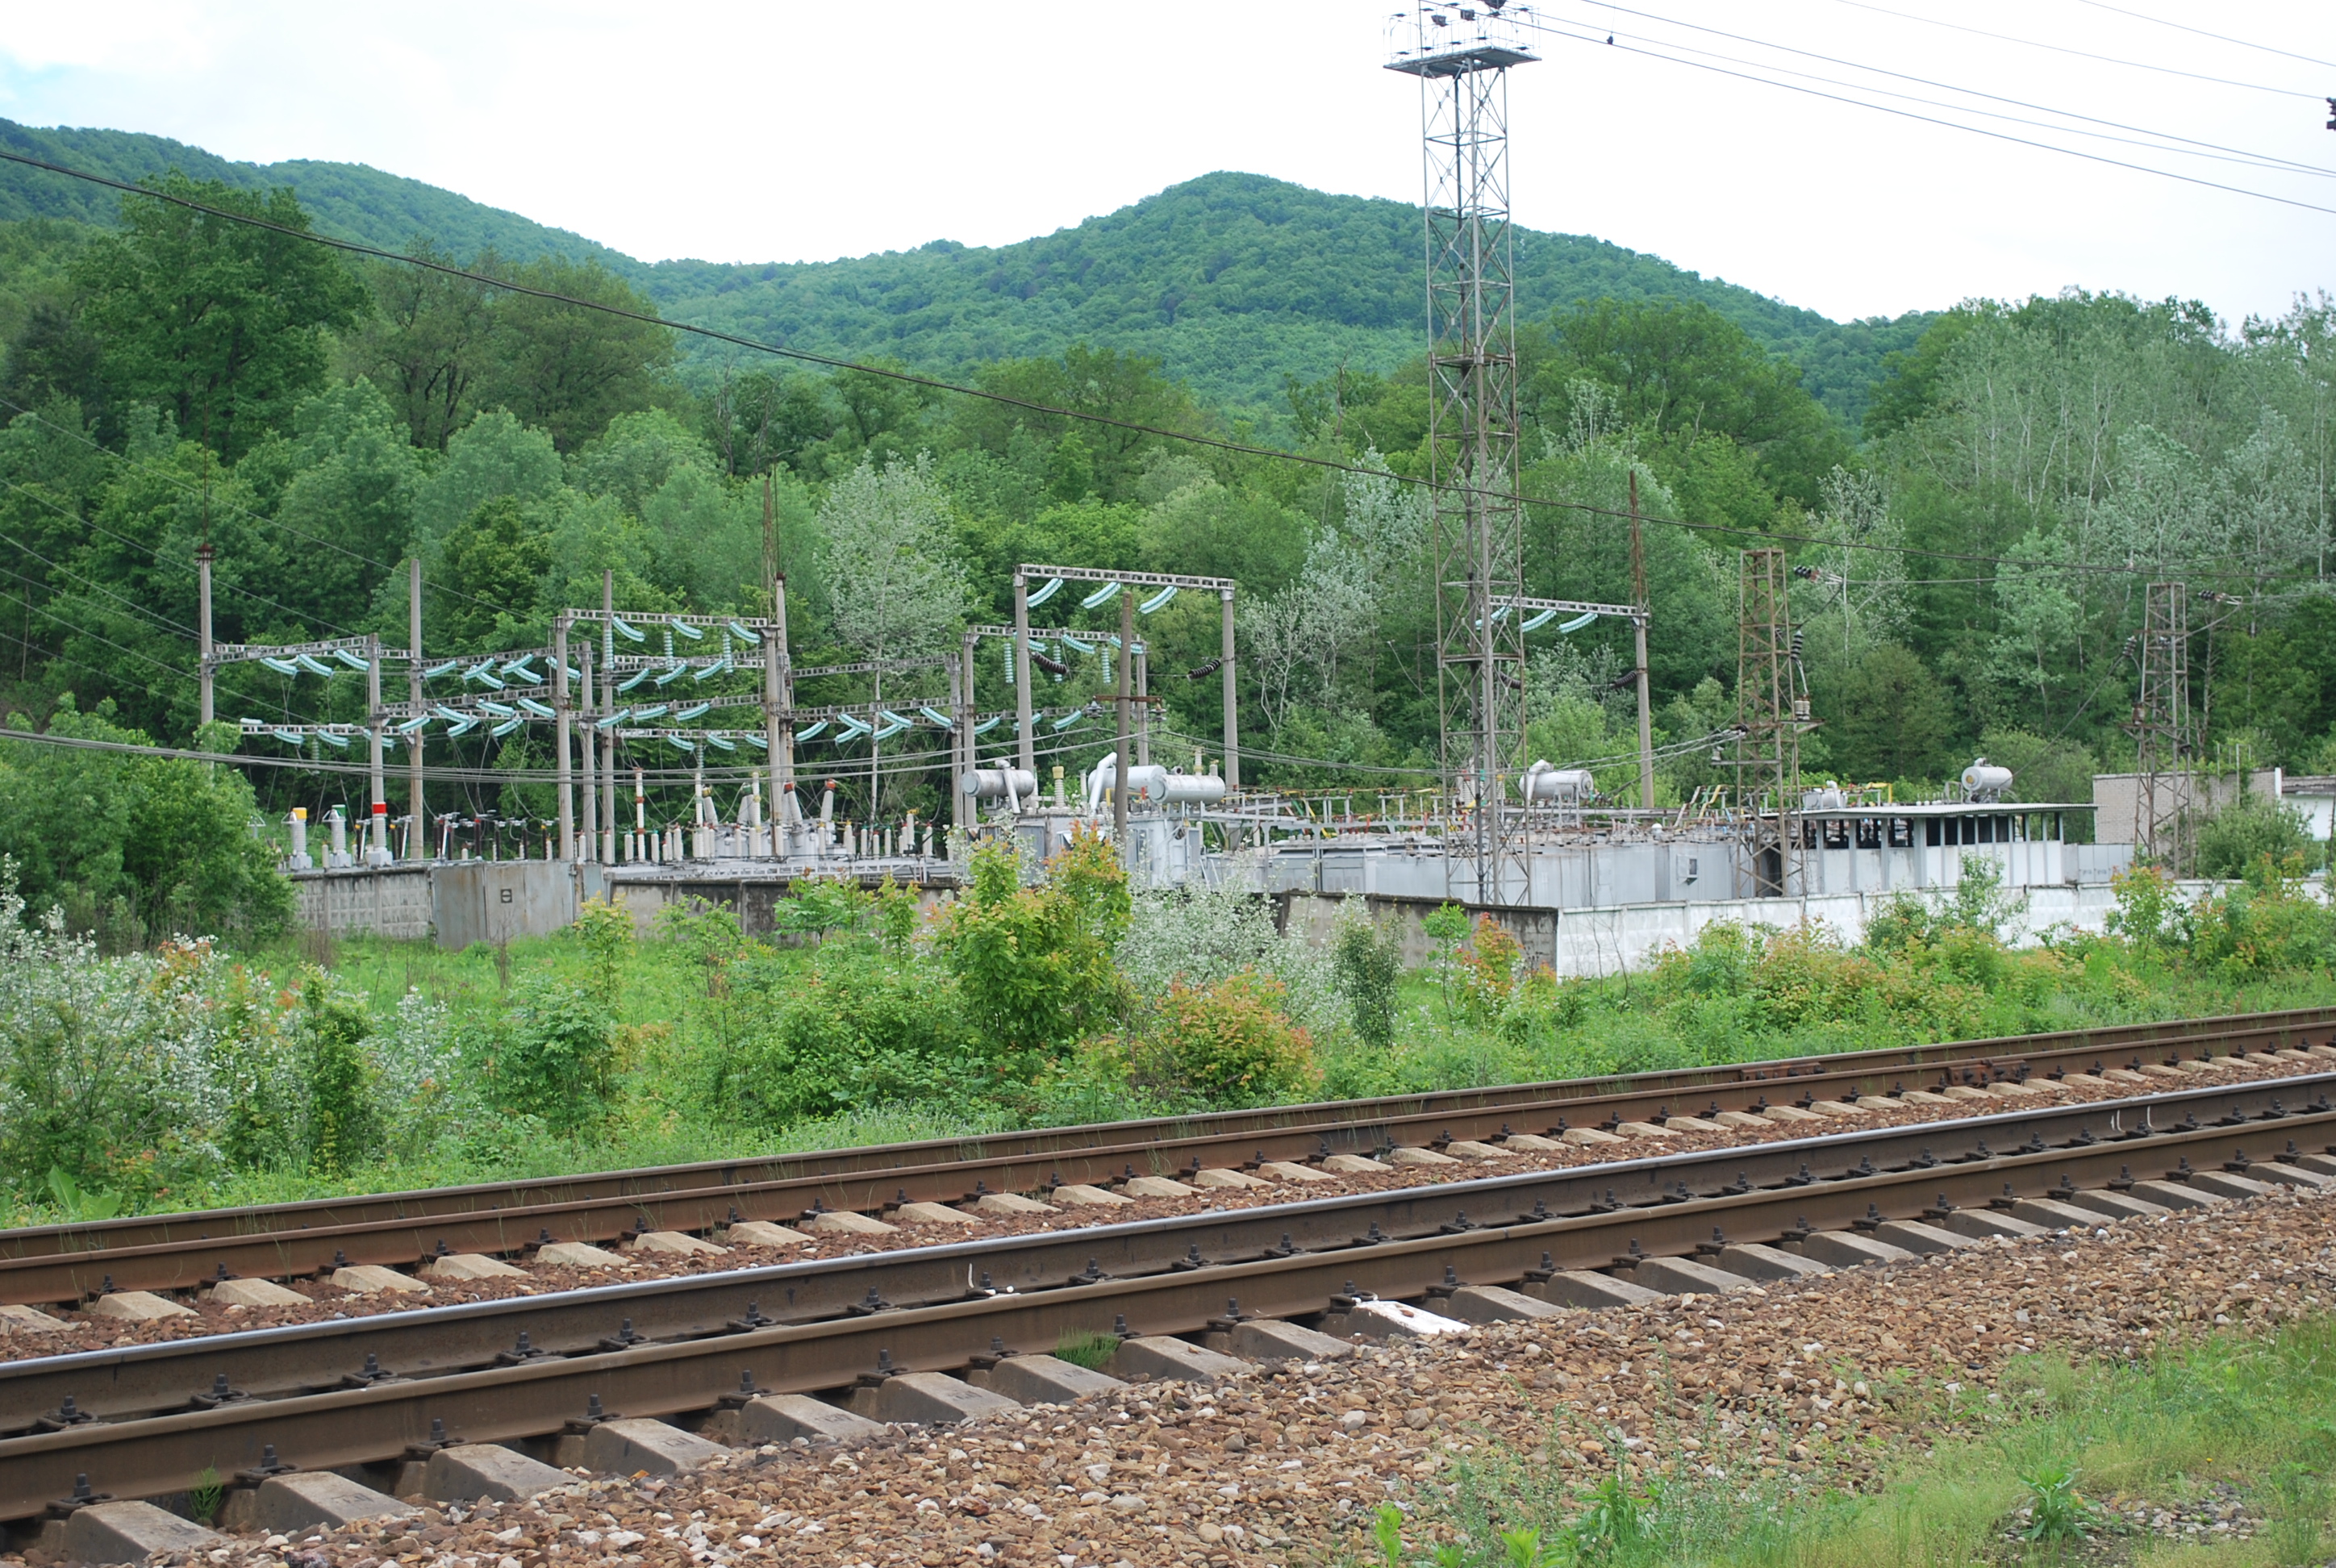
point(2164, 744)
point(1462, 55)
point(1771, 707)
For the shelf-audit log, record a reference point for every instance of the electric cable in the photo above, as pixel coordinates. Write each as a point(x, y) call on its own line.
point(169, 562)
point(1213, 442)
point(137, 613)
point(47, 658)
point(1927, 120)
point(2201, 31)
point(42, 611)
point(2078, 54)
point(2164, 142)
point(1933, 82)
point(170, 477)
point(78, 629)
point(140, 613)
point(136, 609)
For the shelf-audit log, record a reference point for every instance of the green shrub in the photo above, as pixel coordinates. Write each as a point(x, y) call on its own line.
point(137, 848)
point(606, 935)
point(1230, 1041)
point(2268, 924)
point(1034, 964)
point(553, 1055)
point(105, 1063)
point(338, 1079)
point(817, 908)
point(1446, 927)
point(2226, 843)
point(864, 1030)
point(1366, 961)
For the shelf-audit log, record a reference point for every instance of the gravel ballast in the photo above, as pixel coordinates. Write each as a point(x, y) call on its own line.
point(1825, 1381)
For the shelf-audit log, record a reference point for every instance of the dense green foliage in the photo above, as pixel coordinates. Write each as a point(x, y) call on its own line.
point(169, 381)
point(1232, 281)
point(183, 1075)
point(135, 849)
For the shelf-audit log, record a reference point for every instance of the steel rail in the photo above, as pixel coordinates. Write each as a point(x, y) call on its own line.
point(383, 1422)
point(188, 1264)
point(280, 1366)
point(171, 1252)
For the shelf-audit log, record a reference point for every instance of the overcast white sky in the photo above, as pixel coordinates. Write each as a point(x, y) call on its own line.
point(790, 132)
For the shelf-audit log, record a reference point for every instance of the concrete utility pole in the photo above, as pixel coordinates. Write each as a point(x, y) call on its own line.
point(1119, 767)
point(2164, 744)
point(417, 841)
point(609, 702)
point(377, 835)
point(1025, 745)
point(961, 751)
point(203, 591)
point(588, 829)
point(563, 725)
point(778, 696)
point(778, 682)
point(1142, 653)
point(1639, 635)
point(1233, 696)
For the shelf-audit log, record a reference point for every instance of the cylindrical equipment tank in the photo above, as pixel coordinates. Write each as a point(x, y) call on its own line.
point(992, 783)
point(1829, 799)
point(1984, 781)
point(1145, 781)
point(1542, 782)
point(1194, 789)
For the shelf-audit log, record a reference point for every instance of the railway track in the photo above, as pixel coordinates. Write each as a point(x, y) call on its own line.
point(753, 1355)
point(183, 1251)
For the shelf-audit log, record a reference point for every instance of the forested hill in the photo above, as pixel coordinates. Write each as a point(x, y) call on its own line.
point(349, 200)
point(1235, 281)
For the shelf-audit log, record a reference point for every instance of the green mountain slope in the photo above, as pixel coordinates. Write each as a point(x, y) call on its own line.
point(347, 200)
point(1233, 280)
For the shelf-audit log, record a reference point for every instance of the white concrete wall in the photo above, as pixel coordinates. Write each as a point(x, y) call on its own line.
point(2318, 809)
point(362, 902)
point(1605, 941)
point(1592, 941)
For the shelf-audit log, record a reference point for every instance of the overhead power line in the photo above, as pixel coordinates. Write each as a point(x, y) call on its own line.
point(182, 482)
point(1213, 442)
point(654, 777)
point(2159, 140)
point(1942, 86)
point(46, 613)
point(1748, 75)
point(2201, 31)
point(2078, 54)
point(2163, 143)
point(173, 563)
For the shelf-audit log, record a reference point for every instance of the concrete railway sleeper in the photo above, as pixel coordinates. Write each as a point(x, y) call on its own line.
point(1866, 1197)
point(178, 1261)
point(1111, 1143)
point(272, 1363)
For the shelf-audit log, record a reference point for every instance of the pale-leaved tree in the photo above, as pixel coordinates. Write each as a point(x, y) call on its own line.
point(895, 591)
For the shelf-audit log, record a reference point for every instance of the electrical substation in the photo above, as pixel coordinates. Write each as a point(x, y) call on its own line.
point(643, 710)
